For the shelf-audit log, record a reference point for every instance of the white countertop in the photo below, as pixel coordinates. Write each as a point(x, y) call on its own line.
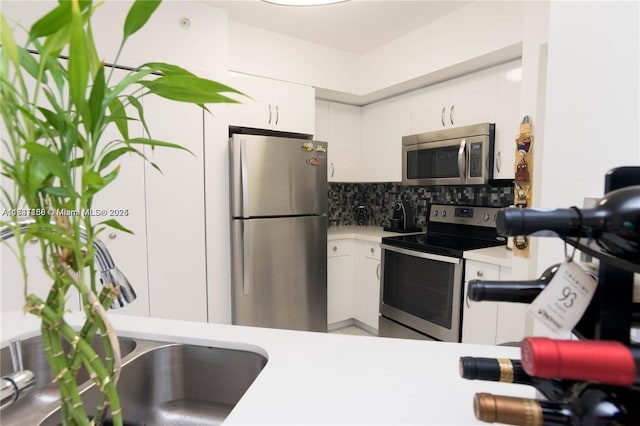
point(495, 255)
point(367, 233)
point(317, 378)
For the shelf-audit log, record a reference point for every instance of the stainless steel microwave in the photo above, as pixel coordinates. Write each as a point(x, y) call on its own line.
point(456, 156)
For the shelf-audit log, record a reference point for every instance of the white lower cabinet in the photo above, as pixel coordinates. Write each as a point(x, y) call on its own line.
point(353, 281)
point(490, 323)
point(366, 302)
point(339, 281)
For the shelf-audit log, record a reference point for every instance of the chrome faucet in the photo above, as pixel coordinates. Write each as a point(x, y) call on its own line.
point(109, 273)
point(13, 386)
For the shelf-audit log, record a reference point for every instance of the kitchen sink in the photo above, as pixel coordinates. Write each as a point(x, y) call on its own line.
point(182, 384)
point(45, 392)
point(161, 383)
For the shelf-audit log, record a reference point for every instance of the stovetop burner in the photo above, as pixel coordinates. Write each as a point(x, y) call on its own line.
point(452, 230)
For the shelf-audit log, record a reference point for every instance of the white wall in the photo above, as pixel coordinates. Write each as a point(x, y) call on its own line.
point(475, 36)
point(592, 104)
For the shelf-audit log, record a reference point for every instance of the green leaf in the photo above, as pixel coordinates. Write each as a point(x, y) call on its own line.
point(29, 63)
point(189, 88)
point(92, 53)
point(166, 69)
point(138, 15)
point(154, 143)
point(8, 42)
point(52, 21)
point(116, 225)
point(37, 175)
point(119, 117)
point(57, 191)
point(97, 96)
point(49, 160)
point(92, 178)
point(113, 155)
point(78, 62)
point(110, 177)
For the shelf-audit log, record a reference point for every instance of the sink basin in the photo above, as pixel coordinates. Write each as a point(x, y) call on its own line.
point(181, 384)
point(45, 392)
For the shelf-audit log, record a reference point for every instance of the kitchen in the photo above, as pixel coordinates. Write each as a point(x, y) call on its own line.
point(367, 90)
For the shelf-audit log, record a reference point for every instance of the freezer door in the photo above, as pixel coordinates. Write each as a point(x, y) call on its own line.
point(274, 176)
point(280, 272)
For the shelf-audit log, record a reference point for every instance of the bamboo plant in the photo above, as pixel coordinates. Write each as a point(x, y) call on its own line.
point(55, 111)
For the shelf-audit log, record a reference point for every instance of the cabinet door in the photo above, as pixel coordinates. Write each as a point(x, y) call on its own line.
point(292, 107)
point(175, 213)
point(321, 131)
point(339, 281)
point(344, 142)
point(472, 99)
point(366, 302)
point(507, 118)
point(430, 108)
point(254, 110)
point(511, 316)
point(383, 125)
point(479, 318)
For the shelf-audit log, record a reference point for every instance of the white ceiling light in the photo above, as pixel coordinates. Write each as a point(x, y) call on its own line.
point(304, 2)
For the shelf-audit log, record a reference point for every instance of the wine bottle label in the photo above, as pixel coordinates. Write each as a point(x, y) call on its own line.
point(565, 299)
point(506, 370)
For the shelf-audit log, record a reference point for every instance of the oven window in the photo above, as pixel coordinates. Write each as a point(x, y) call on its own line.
point(420, 287)
point(433, 163)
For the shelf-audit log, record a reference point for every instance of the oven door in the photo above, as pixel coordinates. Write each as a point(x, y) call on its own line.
point(422, 291)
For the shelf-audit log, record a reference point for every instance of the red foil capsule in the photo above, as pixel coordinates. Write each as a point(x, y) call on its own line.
point(607, 362)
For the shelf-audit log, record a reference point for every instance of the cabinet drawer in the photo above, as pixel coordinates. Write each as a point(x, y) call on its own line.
point(481, 271)
point(337, 248)
point(372, 251)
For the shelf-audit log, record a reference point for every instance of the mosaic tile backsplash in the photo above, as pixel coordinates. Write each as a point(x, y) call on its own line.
point(379, 199)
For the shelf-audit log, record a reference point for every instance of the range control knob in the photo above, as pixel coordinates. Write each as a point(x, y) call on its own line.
point(444, 213)
point(435, 213)
point(485, 217)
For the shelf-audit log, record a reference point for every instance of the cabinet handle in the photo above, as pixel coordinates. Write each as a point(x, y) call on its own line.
point(112, 236)
point(498, 161)
point(332, 169)
point(451, 113)
point(373, 250)
point(269, 122)
point(442, 116)
point(335, 248)
point(378, 271)
point(277, 114)
point(479, 273)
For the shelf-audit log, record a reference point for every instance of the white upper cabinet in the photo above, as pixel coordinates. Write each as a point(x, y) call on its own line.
point(465, 100)
point(339, 125)
point(507, 118)
point(272, 104)
point(384, 124)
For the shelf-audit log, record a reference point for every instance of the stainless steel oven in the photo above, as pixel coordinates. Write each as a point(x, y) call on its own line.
point(422, 275)
point(457, 156)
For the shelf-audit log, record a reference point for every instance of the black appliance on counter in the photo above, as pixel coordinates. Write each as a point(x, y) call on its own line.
point(361, 215)
point(403, 219)
point(422, 275)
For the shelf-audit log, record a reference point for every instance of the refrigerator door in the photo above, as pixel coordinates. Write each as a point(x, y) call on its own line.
point(275, 176)
point(280, 272)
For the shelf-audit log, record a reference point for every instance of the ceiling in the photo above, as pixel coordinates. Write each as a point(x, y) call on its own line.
point(356, 26)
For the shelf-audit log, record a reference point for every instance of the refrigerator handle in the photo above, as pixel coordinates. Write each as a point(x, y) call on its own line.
point(244, 178)
point(246, 264)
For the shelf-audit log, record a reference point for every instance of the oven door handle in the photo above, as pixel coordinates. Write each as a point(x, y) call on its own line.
point(422, 255)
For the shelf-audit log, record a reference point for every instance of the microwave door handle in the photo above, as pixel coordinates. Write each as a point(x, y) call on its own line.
point(462, 159)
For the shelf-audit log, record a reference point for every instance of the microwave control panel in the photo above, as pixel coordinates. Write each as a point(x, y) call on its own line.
point(475, 159)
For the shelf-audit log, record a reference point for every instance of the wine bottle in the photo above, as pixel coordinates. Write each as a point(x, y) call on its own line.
point(607, 362)
point(510, 291)
point(614, 223)
point(511, 371)
point(590, 406)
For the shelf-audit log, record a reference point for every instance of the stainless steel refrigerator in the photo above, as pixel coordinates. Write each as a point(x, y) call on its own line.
point(279, 232)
